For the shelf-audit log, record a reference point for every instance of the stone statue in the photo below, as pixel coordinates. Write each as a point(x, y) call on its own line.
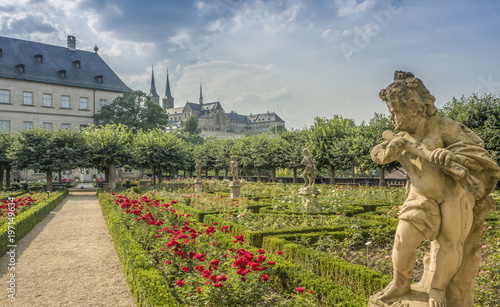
point(234, 170)
point(197, 170)
point(309, 168)
point(447, 200)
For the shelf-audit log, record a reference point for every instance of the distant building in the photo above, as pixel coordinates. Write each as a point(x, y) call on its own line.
point(211, 116)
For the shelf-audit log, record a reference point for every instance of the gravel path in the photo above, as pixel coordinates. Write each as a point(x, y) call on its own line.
point(68, 259)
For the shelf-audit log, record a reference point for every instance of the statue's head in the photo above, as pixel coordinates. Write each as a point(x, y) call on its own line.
point(305, 151)
point(406, 98)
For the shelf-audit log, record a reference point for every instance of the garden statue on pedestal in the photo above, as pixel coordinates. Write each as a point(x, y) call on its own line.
point(308, 191)
point(235, 184)
point(198, 187)
point(447, 201)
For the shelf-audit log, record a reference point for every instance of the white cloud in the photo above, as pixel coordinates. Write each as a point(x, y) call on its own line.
point(351, 8)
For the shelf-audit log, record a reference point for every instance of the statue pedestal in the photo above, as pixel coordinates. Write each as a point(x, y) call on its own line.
point(414, 298)
point(235, 189)
point(310, 198)
point(198, 187)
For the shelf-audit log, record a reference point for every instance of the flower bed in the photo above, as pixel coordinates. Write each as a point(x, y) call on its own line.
point(201, 265)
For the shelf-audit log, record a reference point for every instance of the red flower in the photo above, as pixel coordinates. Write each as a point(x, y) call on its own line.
point(212, 243)
point(198, 290)
point(180, 283)
point(264, 277)
point(185, 269)
point(280, 253)
point(311, 292)
point(168, 262)
point(261, 251)
point(243, 279)
point(271, 262)
point(300, 289)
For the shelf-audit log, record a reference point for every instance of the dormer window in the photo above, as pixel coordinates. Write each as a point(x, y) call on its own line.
point(39, 58)
point(20, 68)
point(98, 79)
point(76, 64)
point(61, 73)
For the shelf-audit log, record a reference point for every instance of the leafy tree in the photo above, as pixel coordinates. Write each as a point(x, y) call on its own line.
point(191, 125)
point(481, 114)
point(6, 163)
point(48, 151)
point(135, 110)
point(327, 143)
point(294, 143)
point(109, 146)
point(158, 150)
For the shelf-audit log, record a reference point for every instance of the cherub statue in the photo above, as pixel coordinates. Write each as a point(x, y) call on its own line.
point(450, 175)
point(309, 169)
point(234, 170)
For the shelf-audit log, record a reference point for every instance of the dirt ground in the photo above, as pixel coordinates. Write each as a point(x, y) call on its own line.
point(68, 259)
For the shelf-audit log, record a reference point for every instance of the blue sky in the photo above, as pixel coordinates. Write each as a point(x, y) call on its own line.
point(300, 58)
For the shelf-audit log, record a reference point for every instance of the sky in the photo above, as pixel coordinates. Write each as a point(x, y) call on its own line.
point(299, 58)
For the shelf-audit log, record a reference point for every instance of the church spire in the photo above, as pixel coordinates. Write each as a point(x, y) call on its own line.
point(152, 93)
point(168, 100)
point(201, 95)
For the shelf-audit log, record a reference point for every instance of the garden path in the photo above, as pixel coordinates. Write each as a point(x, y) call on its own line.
point(68, 259)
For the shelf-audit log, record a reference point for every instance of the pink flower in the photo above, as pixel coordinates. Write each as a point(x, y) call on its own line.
point(300, 289)
point(311, 292)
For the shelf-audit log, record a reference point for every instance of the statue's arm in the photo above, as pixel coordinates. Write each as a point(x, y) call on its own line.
point(388, 151)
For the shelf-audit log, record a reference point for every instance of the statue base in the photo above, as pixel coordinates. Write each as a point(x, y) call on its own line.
point(414, 298)
point(310, 197)
point(235, 189)
point(198, 187)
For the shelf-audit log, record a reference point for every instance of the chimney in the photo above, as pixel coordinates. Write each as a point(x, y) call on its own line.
point(71, 42)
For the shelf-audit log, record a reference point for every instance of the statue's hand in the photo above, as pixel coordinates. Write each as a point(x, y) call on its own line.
point(395, 146)
point(442, 156)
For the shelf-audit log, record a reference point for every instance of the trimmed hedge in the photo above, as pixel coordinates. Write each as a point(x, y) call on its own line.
point(13, 194)
point(145, 281)
point(359, 279)
point(25, 221)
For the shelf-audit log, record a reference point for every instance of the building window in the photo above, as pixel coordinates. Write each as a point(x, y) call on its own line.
point(39, 58)
point(65, 102)
point(65, 126)
point(47, 126)
point(47, 100)
point(5, 126)
point(4, 96)
point(27, 98)
point(128, 170)
point(99, 79)
point(102, 103)
point(61, 74)
point(76, 64)
point(27, 125)
point(84, 103)
point(20, 68)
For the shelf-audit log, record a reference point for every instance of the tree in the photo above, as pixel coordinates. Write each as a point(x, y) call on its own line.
point(5, 162)
point(191, 125)
point(294, 143)
point(109, 146)
point(327, 143)
point(48, 151)
point(482, 115)
point(158, 150)
point(134, 110)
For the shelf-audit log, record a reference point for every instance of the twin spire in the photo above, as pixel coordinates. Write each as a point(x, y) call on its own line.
point(168, 100)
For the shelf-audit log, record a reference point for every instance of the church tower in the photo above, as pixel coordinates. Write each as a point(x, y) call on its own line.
point(201, 95)
point(168, 100)
point(152, 93)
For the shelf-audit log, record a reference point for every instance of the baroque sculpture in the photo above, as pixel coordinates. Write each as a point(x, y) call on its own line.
point(308, 191)
point(235, 184)
point(309, 168)
point(450, 179)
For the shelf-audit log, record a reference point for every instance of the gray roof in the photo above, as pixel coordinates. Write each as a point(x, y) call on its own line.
point(57, 59)
point(265, 117)
point(235, 117)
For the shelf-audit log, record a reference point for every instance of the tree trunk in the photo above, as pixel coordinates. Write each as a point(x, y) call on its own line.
point(112, 174)
point(381, 180)
point(191, 173)
point(332, 174)
point(7, 177)
point(295, 175)
point(60, 176)
point(216, 173)
point(258, 174)
point(1, 178)
point(353, 174)
point(226, 173)
point(206, 173)
point(49, 180)
point(106, 175)
point(273, 174)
